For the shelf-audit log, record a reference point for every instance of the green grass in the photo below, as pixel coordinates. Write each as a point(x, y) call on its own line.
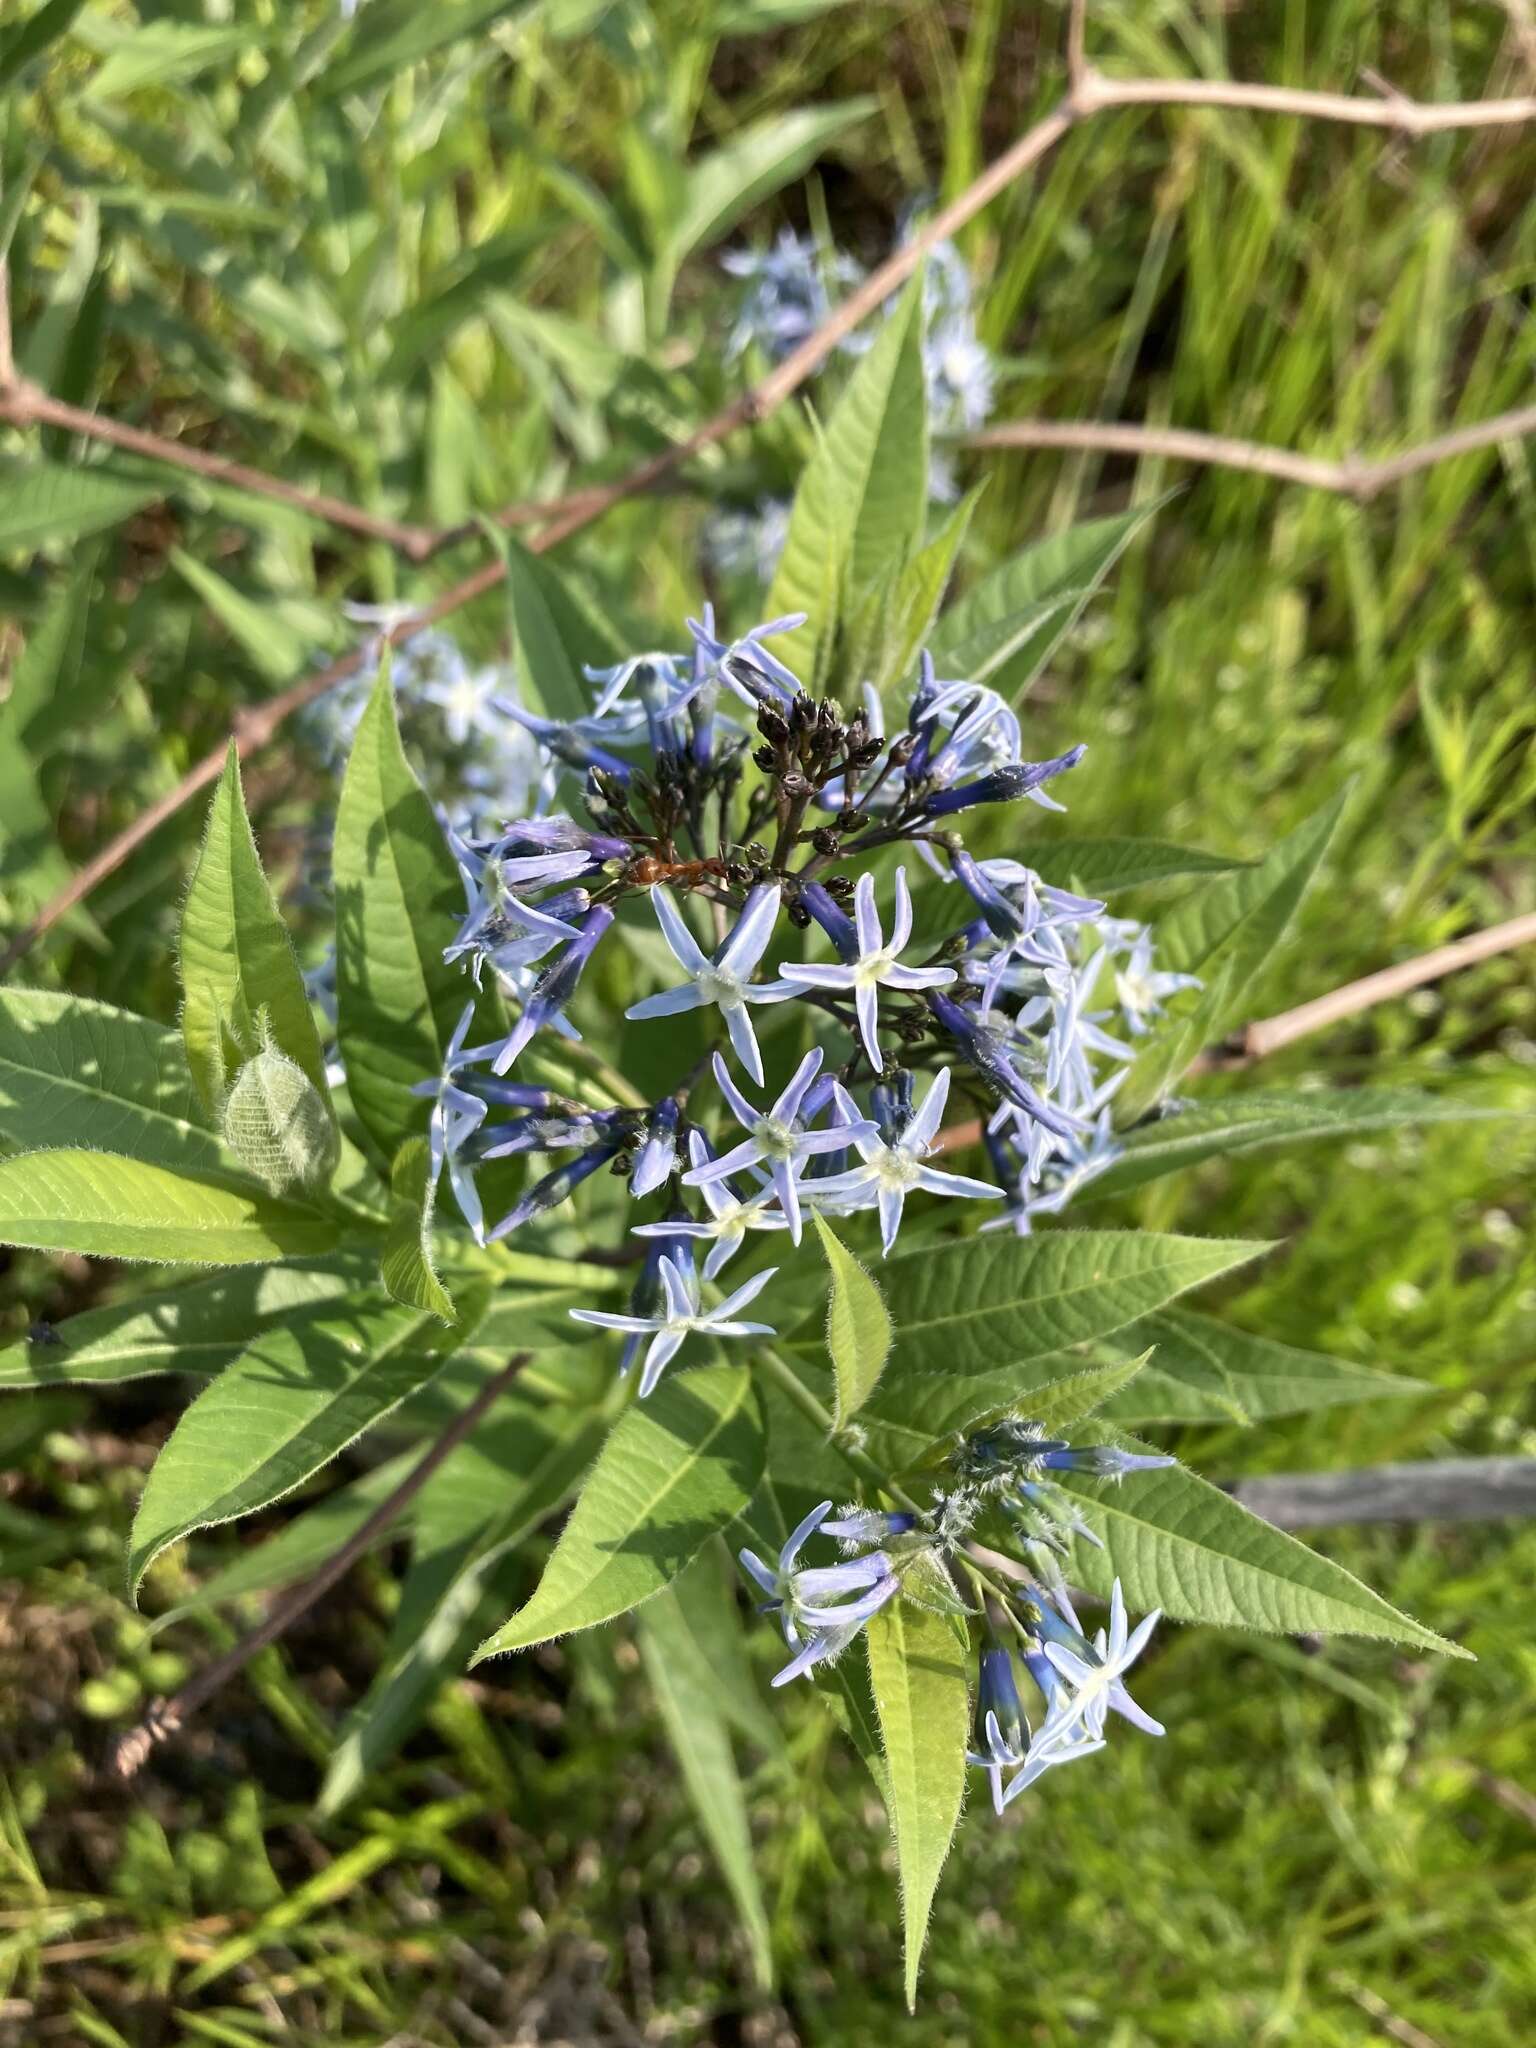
point(1331, 1845)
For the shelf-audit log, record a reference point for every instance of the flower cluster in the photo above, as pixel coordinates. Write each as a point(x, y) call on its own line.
point(1080, 1679)
point(716, 790)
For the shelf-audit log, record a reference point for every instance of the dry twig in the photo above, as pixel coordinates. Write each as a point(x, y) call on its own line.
point(1088, 93)
point(166, 1718)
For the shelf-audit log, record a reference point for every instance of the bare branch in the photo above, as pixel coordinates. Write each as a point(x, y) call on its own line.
point(25, 405)
point(1439, 1490)
point(1089, 94)
point(1077, 34)
point(166, 1718)
point(1271, 1033)
point(1351, 476)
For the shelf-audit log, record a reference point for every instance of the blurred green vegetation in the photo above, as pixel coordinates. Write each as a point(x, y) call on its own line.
point(438, 286)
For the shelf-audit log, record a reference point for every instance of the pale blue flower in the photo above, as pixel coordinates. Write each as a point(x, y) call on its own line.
point(799, 1595)
point(778, 1139)
point(1142, 988)
point(680, 1315)
point(724, 977)
point(875, 966)
point(729, 1219)
point(890, 1171)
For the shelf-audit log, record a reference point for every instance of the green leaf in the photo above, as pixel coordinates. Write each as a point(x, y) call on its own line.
point(49, 502)
point(199, 1328)
point(287, 1406)
point(1100, 867)
point(165, 53)
point(378, 50)
point(44, 706)
point(113, 1208)
point(407, 1269)
point(476, 1510)
point(893, 621)
point(303, 1545)
point(273, 647)
point(699, 1620)
point(862, 499)
point(398, 904)
point(1176, 1543)
point(677, 1468)
point(720, 187)
point(858, 1328)
point(1202, 1370)
point(1007, 628)
point(237, 962)
point(686, 1692)
point(917, 1670)
point(971, 1319)
point(1244, 1123)
point(74, 1071)
point(556, 637)
point(1225, 932)
point(28, 39)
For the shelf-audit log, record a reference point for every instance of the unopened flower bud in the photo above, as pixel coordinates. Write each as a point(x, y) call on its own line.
point(278, 1126)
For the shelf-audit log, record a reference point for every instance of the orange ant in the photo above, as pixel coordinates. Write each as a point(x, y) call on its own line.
point(646, 872)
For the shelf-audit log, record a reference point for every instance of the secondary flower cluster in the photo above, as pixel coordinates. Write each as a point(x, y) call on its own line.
point(1080, 1679)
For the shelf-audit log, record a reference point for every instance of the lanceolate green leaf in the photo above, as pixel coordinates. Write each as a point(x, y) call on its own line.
point(1006, 628)
point(1102, 867)
point(73, 1071)
point(237, 963)
point(47, 502)
point(1243, 1123)
point(287, 1405)
point(406, 1268)
point(968, 1317)
point(678, 1467)
point(861, 500)
point(1179, 1544)
point(198, 1329)
point(701, 1740)
point(858, 1327)
point(113, 1208)
point(917, 1670)
point(476, 1510)
point(725, 183)
point(1202, 1370)
point(556, 637)
point(398, 903)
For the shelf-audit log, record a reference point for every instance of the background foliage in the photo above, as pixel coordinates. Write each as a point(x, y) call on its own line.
point(436, 262)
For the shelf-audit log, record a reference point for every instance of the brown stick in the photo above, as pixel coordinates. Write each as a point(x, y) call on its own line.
point(1088, 94)
point(1351, 476)
point(24, 404)
point(1269, 1034)
point(166, 1718)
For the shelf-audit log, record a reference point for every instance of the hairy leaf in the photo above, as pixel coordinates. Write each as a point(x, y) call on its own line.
point(1179, 1544)
point(1202, 1370)
point(73, 1071)
point(406, 1268)
point(917, 1670)
point(238, 969)
point(556, 637)
point(109, 1207)
point(287, 1405)
point(677, 1468)
point(1102, 867)
point(858, 1327)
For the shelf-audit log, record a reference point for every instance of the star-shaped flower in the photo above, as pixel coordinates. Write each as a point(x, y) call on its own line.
point(729, 1218)
point(779, 1139)
point(876, 965)
point(814, 1631)
point(679, 1315)
point(723, 978)
point(890, 1171)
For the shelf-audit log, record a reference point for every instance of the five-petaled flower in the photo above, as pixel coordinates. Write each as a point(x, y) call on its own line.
point(724, 977)
point(800, 1595)
point(679, 1314)
point(891, 1168)
point(779, 1139)
point(875, 966)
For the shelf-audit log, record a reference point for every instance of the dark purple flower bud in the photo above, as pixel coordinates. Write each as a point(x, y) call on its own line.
point(555, 1188)
point(555, 986)
point(836, 923)
point(890, 1104)
point(1003, 785)
point(566, 742)
point(985, 1050)
point(1103, 1461)
point(1003, 919)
